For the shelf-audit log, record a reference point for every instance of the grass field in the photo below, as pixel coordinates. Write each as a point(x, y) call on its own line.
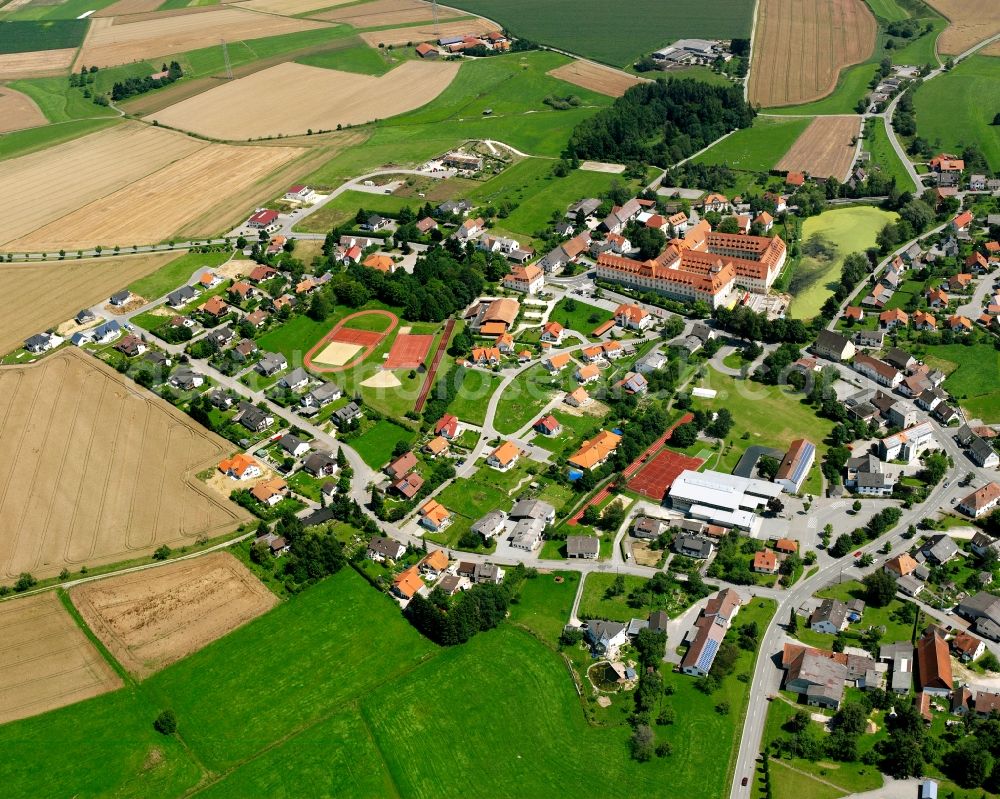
point(884, 156)
point(848, 230)
point(23, 142)
point(359, 58)
point(595, 605)
point(545, 605)
point(921, 50)
point(888, 10)
point(957, 108)
point(583, 318)
point(167, 278)
point(375, 445)
point(851, 87)
point(758, 148)
point(971, 378)
point(58, 101)
point(342, 209)
point(647, 26)
point(24, 36)
point(68, 10)
point(473, 395)
point(523, 400)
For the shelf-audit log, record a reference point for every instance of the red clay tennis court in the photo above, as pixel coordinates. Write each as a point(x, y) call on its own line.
point(658, 475)
point(364, 338)
point(408, 351)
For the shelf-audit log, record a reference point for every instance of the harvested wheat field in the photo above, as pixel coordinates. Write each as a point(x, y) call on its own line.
point(46, 661)
point(18, 111)
point(800, 46)
point(426, 33)
point(595, 77)
point(971, 22)
point(108, 43)
point(94, 469)
point(123, 7)
point(379, 13)
point(36, 63)
point(39, 296)
point(151, 618)
point(288, 7)
point(312, 97)
point(825, 148)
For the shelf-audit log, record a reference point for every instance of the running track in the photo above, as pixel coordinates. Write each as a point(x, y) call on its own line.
point(633, 467)
point(429, 378)
point(331, 336)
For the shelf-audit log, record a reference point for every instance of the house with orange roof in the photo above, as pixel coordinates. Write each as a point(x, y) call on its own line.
point(407, 583)
point(632, 317)
point(591, 354)
point(937, 298)
point(977, 263)
point(433, 563)
point(556, 363)
point(947, 163)
point(505, 343)
point(679, 221)
point(959, 324)
point(524, 356)
point(786, 546)
point(588, 373)
point(717, 203)
point(596, 451)
point(306, 286)
point(436, 446)
point(525, 279)
point(924, 321)
point(577, 398)
point(901, 565)
point(795, 179)
point(765, 220)
point(854, 312)
point(504, 457)
point(613, 350)
point(270, 492)
point(894, 317)
point(447, 426)
point(434, 516)
point(209, 280)
point(485, 356)
point(765, 562)
point(240, 467)
point(553, 332)
point(380, 262)
point(241, 290)
point(963, 222)
point(215, 306)
point(548, 426)
point(959, 282)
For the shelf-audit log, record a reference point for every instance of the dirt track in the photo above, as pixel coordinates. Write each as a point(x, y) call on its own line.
point(800, 47)
point(18, 111)
point(971, 22)
point(94, 469)
point(824, 149)
point(46, 661)
point(312, 98)
point(595, 77)
point(152, 618)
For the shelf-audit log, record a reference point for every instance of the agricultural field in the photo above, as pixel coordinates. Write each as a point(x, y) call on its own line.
point(18, 111)
point(355, 57)
point(595, 77)
point(109, 178)
point(971, 377)
point(825, 149)
point(800, 48)
point(757, 148)
point(648, 24)
point(837, 233)
point(96, 470)
point(380, 13)
point(314, 99)
point(35, 63)
point(177, 271)
point(46, 660)
point(884, 156)
point(971, 22)
point(38, 296)
point(851, 87)
point(152, 618)
point(289, 8)
point(109, 44)
point(399, 37)
point(957, 108)
point(22, 36)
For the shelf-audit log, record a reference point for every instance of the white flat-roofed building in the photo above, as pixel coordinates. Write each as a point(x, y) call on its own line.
point(723, 499)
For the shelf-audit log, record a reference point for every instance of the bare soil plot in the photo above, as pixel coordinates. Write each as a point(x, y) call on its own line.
point(800, 47)
point(156, 206)
point(426, 33)
point(151, 618)
point(95, 470)
point(311, 98)
point(595, 77)
point(381, 13)
point(39, 296)
point(122, 7)
point(35, 63)
point(825, 148)
point(108, 43)
point(18, 111)
point(289, 7)
point(971, 22)
point(46, 661)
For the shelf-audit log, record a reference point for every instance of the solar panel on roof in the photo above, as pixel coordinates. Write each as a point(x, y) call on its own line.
point(708, 655)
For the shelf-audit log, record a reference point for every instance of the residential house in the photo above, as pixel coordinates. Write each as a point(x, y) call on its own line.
point(605, 637)
point(407, 583)
point(830, 617)
point(293, 445)
point(447, 426)
point(765, 562)
point(893, 318)
point(981, 501)
point(632, 317)
point(402, 466)
point(967, 647)
point(504, 457)
point(594, 452)
point(901, 565)
point(648, 528)
point(490, 525)
point(433, 563)
point(533, 509)
point(552, 332)
point(556, 363)
point(253, 418)
point(577, 398)
point(437, 446)
point(321, 464)
point(186, 379)
point(879, 371)
point(240, 467)
point(939, 549)
point(270, 492)
point(907, 444)
point(107, 332)
point(833, 346)
point(691, 546)
point(548, 426)
point(525, 279)
point(180, 297)
point(708, 632)
point(934, 674)
point(347, 414)
point(323, 394)
point(982, 453)
point(588, 373)
point(583, 546)
point(434, 516)
point(295, 380)
point(527, 534)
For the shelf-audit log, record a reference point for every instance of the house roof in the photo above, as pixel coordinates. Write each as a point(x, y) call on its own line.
point(506, 453)
point(435, 511)
point(447, 424)
point(901, 565)
point(437, 445)
point(238, 464)
point(408, 582)
point(982, 497)
point(933, 662)
point(595, 450)
point(765, 560)
point(264, 491)
point(403, 464)
point(436, 560)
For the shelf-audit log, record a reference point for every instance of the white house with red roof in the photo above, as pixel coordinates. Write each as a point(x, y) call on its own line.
point(300, 193)
point(263, 219)
point(632, 317)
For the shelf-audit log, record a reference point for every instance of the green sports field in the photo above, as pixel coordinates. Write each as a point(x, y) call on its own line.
point(606, 32)
point(848, 230)
point(957, 109)
point(757, 148)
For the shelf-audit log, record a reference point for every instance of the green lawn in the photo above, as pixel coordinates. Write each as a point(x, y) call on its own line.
point(343, 209)
point(545, 604)
point(583, 318)
point(473, 395)
point(58, 101)
point(972, 372)
point(957, 108)
point(68, 10)
point(758, 148)
point(884, 156)
point(575, 430)
point(851, 87)
point(22, 36)
point(848, 230)
point(176, 273)
point(375, 445)
point(600, 31)
point(522, 401)
point(923, 49)
point(595, 605)
point(473, 498)
point(22, 142)
point(359, 57)
point(894, 630)
point(889, 10)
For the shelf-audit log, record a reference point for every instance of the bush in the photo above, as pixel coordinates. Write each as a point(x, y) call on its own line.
point(166, 723)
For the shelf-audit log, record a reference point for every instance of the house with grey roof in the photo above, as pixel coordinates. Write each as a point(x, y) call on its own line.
point(295, 380)
point(527, 534)
point(900, 656)
point(939, 549)
point(293, 445)
point(583, 546)
point(271, 363)
point(830, 617)
point(533, 509)
point(692, 546)
point(253, 418)
point(605, 637)
point(490, 525)
point(323, 394)
point(181, 296)
point(348, 413)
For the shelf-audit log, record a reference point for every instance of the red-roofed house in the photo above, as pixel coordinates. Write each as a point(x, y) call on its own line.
point(765, 562)
point(962, 222)
point(263, 219)
point(548, 426)
point(447, 426)
point(632, 317)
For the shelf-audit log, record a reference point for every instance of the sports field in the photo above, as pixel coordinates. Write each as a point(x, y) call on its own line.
point(96, 470)
point(841, 231)
point(957, 108)
point(152, 618)
point(757, 148)
point(46, 661)
point(655, 478)
point(825, 149)
point(408, 351)
point(603, 32)
point(800, 46)
point(346, 345)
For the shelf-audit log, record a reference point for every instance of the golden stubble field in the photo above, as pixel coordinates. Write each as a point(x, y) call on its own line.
point(35, 64)
point(120, 41)
point(800, 46)
point(46, 661)
point(96, 470)
point(380, 13)
point(312, 98)
point(151, 618)
point(595, 77)
point(38, 296)
point(130, 184)
point(824, 149)
point(972, 21)
point(426, 33)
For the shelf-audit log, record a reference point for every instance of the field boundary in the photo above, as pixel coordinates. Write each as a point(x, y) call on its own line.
point(425, 389)
point(81, 622)
point(331, 336)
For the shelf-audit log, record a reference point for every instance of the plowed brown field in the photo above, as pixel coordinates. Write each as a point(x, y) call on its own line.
point(824, 149)
point(18, 111)
point(35, 63)
point(94, 469)
point(149, 619)
point(39, 296)
point(108, 43)
point(595, 77)
point(426, 33)
point(800, 46)
point(122, 7)
point(46, 661)
point(971, 22)
point(311, 97)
